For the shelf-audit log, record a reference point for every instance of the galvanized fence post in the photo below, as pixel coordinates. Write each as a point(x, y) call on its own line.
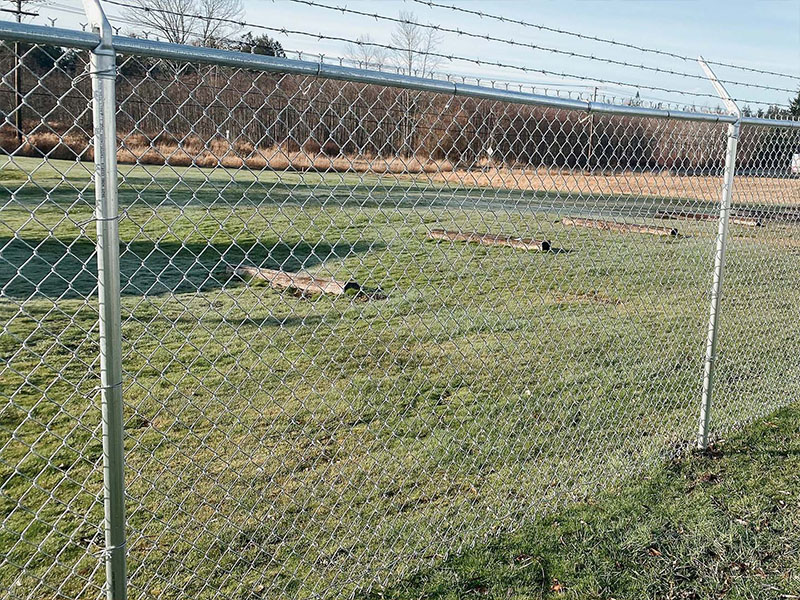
point(103, 74)
point(719, 259)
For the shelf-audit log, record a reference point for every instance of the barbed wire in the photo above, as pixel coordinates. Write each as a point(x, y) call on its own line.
point(482, 14)
point(544, 87)
point(71, 10)
point(232, 42)
point(449, 57)
point(541, 89)
point(582, 92)
point(490, 38)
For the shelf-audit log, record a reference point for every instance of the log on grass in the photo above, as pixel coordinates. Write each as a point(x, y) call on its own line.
point(619, 227)
point(777, 216)
point(747, 221)
point(490, 239)
point(302, 282)
point(736, 219)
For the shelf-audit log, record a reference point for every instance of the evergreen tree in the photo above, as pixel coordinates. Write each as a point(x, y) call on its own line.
point(261, 44)
point(794, 106)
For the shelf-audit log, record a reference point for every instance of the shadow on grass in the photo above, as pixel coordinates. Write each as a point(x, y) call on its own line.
point(62, 269)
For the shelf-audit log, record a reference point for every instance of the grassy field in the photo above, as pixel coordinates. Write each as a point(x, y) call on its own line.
point(770, 192)
point(722, 524)
point(287, 446)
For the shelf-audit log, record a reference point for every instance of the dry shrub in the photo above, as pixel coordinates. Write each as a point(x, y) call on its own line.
point(218, 147)
point(149, 157)
point(312, 147)
point(255, 162)
point(193, 145)
point(232, 162)
point(175, 156)
point(133, 141)
point(165, 138)
point(206, 160)
point(272, 158)
point(290, 145)
point(331, 148)
point(67, 146)
point(165, 148)
point(210, 160)
point(244, 148)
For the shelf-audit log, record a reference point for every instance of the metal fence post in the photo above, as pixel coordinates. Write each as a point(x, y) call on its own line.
point(103, 73)
point(719, 259)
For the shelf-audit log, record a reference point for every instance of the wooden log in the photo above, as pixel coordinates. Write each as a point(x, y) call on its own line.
point(747, 221)
point(737, 219)
point(619, 227)
point(489, 239)
point(767, 215)
point(297, 281)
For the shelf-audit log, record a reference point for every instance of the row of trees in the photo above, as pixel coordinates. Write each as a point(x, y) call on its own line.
point(413, 47)
point(251, 111)
point(173, 105)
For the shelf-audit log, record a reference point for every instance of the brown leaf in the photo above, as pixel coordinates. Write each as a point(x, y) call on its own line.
point(708, 478)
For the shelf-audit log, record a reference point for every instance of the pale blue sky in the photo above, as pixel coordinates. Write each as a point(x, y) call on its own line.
point(762, 34)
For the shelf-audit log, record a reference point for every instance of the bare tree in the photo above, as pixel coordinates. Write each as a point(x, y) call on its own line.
point(415, 44)
point(219, 13)
point(187, 21)
point(366, 54)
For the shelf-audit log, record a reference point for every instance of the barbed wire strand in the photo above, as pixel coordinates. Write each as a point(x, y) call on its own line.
point(449, 57)
point(490, 38)
point(578, 89)
point(482, 14)
point(532, 86)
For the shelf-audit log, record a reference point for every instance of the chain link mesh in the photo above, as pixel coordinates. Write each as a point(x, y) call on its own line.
point(756, 370)
point(290, 443)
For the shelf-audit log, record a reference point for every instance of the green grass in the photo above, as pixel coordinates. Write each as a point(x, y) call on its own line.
point(283, 446)
point(722, 524)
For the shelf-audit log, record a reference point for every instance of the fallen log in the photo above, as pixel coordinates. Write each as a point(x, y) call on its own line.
point(489, 239)
point(736, 219)
point(301, 282)
point(777, 216)
point(619, 227)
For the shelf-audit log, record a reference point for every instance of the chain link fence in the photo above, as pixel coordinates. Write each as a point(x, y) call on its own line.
point(364, 326)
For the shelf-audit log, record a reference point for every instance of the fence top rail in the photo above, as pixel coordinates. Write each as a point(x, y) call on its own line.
point(39, 34)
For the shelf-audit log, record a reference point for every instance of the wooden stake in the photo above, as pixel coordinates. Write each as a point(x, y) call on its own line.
point(489, 239)
point(619, 227)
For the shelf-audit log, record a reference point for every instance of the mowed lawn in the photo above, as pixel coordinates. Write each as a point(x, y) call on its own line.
point(718, 524)
point(287, 446)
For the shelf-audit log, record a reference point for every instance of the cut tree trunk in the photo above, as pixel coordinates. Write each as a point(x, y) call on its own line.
point(768, 215)
point(736, 219)
point(619, 227)
point(302, 282)
point(490, 239)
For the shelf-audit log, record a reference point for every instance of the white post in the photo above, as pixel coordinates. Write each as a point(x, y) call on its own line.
point(103, 73)
point(719, 260)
